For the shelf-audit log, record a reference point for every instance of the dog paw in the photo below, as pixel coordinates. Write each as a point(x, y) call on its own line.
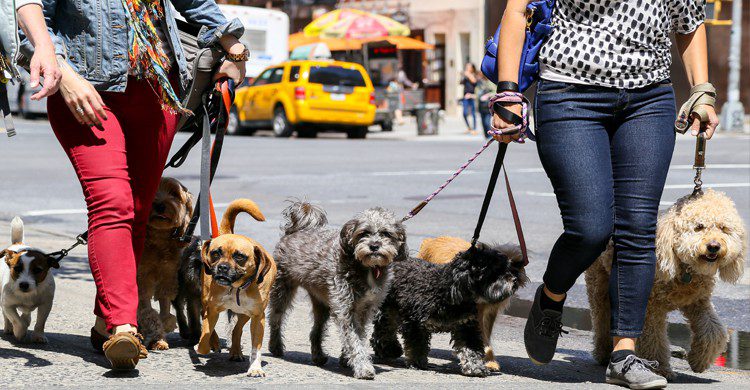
point(366, 372)
point(8, 331)
point(256, 373)
point(236, 356)
point(320, 360)
point(343, 362)
point(38, 338)
point(667, 373)
point(20, 334)
point(417, 364)
point(202, 350)
point(492, 365)
point(475, 370)
point(159, 345)
point(276, 348)
point(169, 323)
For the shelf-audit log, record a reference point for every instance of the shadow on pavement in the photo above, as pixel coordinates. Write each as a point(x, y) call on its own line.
point(68, 344)
point(74, 268)
point(332, 365)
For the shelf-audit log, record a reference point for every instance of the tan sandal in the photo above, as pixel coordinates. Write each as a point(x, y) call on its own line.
point(124, 350)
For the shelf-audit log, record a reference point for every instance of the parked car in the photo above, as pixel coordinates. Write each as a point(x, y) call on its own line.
point(306, 97)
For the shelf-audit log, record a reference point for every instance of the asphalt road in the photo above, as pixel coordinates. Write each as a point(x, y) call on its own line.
point(394, 170)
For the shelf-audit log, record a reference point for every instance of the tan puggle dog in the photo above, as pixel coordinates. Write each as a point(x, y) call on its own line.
point(237, 276)
point(27, 285)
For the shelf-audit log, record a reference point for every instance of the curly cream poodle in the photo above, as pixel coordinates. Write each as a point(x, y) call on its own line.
point(696, 239)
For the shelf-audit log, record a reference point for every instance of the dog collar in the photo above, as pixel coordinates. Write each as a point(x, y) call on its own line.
point(686, 277)
point(248, 282)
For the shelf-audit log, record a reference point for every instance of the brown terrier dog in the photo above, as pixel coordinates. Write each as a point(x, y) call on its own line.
point(443, 250)
point(171, 211)
point(237, 276)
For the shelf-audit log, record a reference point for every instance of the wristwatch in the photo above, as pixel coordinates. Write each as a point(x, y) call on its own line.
point(239, 57)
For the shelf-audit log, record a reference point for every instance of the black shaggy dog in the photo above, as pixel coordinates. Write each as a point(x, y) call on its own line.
point(425, 298)
point(188, 302)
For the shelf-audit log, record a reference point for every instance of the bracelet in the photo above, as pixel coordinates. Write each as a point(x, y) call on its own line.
point(507, 86)
point(239, 57)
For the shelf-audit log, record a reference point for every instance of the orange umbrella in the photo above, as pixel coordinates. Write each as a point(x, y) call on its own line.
point(405, 43)
point(300, 39)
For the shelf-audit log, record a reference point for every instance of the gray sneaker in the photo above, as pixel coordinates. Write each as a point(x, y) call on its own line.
point(635, 373)
point(543, 328)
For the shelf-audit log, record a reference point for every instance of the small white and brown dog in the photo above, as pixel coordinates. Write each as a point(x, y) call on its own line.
point(27, 285)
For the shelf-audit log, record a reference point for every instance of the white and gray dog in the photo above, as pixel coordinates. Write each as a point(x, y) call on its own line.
point(345, 274)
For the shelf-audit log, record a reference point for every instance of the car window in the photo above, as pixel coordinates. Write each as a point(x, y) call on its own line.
point(294, 74)
point(276, 75)
point(336, 75)
point(263, 78)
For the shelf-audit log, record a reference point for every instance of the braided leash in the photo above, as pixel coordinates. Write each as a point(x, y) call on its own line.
point(503, 98)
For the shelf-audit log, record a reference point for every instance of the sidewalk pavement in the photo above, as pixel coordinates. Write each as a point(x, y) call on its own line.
point(68, 359)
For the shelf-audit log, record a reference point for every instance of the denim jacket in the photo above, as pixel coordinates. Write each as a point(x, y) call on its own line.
point(8, 36)
point(94, 37)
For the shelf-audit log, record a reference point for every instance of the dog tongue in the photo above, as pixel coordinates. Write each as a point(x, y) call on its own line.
point(376, 272)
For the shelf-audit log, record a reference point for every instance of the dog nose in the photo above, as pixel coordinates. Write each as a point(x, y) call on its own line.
point(223, 268)
point(24, 286)
point(374, 247)
point(159, 207)
point(713, 247)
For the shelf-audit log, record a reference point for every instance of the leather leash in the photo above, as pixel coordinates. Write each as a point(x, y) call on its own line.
point(700, 162)
point(218, 102)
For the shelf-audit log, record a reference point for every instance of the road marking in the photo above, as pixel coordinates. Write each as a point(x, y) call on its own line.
point(671, 168)
point(411, 173)
point(40, 213)
point(712, 185)
point(544, 194)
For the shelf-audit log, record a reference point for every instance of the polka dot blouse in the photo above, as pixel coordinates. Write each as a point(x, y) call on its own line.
point(620, 43)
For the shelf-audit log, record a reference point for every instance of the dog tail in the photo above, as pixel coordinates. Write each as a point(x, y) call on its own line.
point(16, 231)
point(237, 206)
point(303, 215)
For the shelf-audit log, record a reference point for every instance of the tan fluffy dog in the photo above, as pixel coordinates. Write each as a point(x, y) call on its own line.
point(237, 276)
point(442, 250)
point(171, 211)
point(696, 239)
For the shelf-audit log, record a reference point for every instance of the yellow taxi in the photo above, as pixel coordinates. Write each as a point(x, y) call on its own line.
point(306, 96)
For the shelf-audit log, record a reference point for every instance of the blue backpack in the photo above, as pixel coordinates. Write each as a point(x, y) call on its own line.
point(538, 27)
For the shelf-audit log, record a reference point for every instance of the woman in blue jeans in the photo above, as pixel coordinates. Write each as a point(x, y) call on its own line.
point(605, 115)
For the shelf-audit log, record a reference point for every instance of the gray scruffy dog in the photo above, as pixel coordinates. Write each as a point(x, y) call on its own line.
point(345, 273)
point(427, 297)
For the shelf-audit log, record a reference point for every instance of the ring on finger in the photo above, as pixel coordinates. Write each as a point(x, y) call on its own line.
point(79, 110)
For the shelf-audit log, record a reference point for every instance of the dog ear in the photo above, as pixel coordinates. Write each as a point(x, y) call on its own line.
point(53, 262)
point(345, 237)
point(403, 249)
point(204, 251)
point(462, 280)
point(6, 254)
point(262, 263)
point(731, 271)
point(667, 262)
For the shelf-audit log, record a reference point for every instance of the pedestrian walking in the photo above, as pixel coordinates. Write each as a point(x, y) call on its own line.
point(468, 102)
point(485, 90)
point(115, 116)
point(605, 119)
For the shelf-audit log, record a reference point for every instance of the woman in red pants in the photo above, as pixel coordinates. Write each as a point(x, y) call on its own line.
point(115, 116)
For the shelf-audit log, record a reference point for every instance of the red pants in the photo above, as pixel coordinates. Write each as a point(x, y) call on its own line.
point(119, 168)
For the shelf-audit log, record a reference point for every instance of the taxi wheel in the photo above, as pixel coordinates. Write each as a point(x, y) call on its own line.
point(234, 127)
point(359, 132)
point(281, 126)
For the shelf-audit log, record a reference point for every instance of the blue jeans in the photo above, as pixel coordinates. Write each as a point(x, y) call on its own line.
point(486, 116)
point(470, 108)
point(607, 152)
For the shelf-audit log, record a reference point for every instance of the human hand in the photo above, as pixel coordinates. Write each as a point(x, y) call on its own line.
point(232, 70)
point(502, 124)
point(82, 99)
point(44, 64)
point(709, 126)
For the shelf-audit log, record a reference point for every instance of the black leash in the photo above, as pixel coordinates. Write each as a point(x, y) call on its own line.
point(502, 148)
point(212, 103)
